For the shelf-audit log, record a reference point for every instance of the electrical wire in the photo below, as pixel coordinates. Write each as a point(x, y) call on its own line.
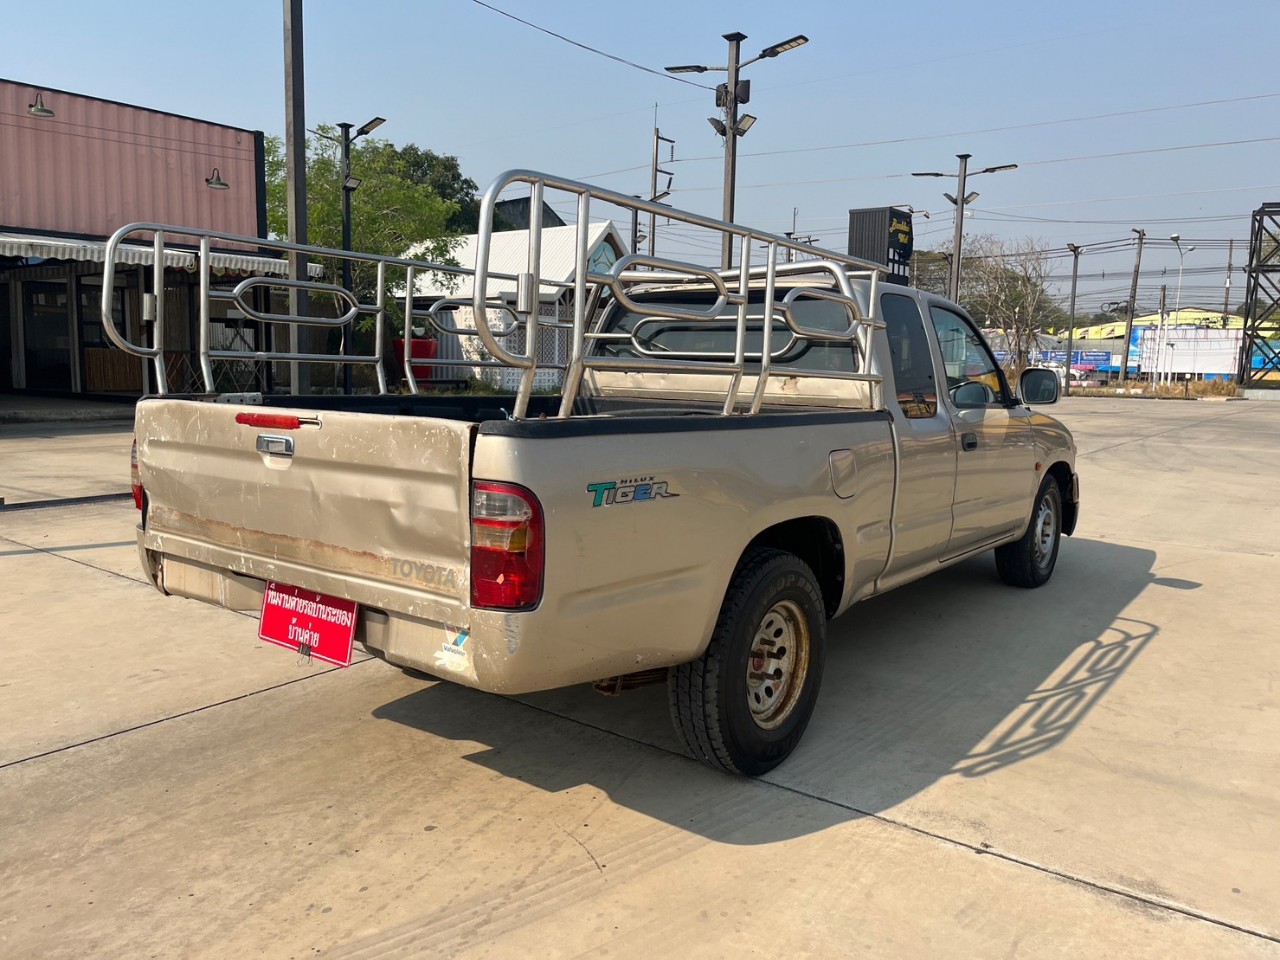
point(984, 130)
point(583, 46)
point(1029, 163)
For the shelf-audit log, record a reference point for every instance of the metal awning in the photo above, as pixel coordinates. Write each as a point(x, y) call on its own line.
point(60, 248)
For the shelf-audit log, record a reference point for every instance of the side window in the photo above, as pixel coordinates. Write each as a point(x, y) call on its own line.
point(912, 363)
point(973, 379)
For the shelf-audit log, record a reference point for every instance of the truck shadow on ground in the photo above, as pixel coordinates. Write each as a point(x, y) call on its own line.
point(956, 675)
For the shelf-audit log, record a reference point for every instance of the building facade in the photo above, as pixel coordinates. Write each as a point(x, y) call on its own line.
point(75, 169)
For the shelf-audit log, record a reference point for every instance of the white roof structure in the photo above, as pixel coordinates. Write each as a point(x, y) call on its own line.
point(60, 248)
point(509, 255)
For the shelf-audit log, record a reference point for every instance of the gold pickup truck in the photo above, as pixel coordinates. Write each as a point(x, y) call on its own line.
point(702, 493)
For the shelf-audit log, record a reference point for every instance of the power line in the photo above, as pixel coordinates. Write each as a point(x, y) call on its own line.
point(984, 130)
point(1027, 217)
point(1028, 163)
point(583, 46)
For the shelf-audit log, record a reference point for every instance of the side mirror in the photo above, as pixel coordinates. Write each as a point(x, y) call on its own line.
point(1038, 386)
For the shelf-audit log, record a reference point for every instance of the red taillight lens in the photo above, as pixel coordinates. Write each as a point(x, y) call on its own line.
point(506, 547)
point(277, 421)
point(135, 480)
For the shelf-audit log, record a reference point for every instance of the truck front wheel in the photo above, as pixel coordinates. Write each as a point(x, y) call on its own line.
point(1029, 561)
point(745, 704)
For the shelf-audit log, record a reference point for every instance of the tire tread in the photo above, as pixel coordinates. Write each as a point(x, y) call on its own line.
point(693, 689)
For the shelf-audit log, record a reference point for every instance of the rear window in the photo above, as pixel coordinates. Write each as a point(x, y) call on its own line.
point(680, 339)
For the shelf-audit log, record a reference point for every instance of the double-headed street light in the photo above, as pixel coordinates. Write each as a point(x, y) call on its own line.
point(961, 200)
point(728, 96)
point(349, 186)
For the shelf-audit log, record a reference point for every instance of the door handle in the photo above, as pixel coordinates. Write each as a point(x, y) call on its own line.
point(275, 446)
point(969, 441)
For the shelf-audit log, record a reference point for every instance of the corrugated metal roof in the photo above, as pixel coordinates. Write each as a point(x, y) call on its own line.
point(60, 248)
point(509, 254)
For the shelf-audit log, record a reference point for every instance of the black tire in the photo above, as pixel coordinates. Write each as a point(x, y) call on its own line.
point(1029, 561)
point(712, 698)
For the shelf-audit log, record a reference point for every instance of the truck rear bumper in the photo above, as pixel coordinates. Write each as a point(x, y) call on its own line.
point(494, 651)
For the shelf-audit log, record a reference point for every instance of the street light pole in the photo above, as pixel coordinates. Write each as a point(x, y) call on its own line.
point(728, 96)
point(961, 200)
point(730, 144)
point(1177, 300)
point(1071, 323)
point(348, 185)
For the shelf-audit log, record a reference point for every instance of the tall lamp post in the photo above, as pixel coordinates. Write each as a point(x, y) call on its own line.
point(1177, 299)
point(1071, 323)
point(960, 201)
point(349, 186)
point(728, 96)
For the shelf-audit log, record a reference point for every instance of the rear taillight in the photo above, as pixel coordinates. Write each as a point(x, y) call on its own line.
point(135, 479)
point(506, 547)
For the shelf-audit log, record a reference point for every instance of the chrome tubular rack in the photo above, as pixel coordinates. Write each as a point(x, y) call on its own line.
point(506, 324)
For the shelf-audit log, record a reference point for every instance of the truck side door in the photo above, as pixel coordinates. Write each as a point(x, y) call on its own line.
point(926, 445)
point(995, 467)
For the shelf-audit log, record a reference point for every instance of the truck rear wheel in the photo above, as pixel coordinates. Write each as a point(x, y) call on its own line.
point(1029, 561)
point(745, 704)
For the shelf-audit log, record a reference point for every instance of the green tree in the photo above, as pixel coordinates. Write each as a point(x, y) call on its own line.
point(396, 205)
point(442, 174)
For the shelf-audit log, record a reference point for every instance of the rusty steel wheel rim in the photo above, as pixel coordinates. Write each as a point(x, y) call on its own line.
point(777, 664)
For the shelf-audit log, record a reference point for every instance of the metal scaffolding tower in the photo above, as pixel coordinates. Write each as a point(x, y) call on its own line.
point(1261, 344)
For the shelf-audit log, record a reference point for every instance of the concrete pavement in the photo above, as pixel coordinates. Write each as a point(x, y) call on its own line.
point(53, 461)
point(1084, 770)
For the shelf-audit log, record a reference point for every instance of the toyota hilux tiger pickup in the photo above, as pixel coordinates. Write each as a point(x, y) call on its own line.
point(672, 474)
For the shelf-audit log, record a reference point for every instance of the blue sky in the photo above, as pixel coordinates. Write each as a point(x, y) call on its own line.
point(939, 78)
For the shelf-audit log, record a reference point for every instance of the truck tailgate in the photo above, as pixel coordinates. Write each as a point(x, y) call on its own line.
point(374, 508)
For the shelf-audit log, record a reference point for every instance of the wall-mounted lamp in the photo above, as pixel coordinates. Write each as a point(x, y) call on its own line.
point(216, 182)
point(38, 109)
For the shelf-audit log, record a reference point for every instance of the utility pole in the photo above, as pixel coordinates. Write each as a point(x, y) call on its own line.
point(295, 145)
point(1071, 323)
point(635, 227)
point(1157, 365)
point(960, 200)
point(1226, 287)
point(654, 195)
point(1133, 305)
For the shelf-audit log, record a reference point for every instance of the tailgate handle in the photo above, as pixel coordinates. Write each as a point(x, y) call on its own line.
point(275, 446)
point(967, 440)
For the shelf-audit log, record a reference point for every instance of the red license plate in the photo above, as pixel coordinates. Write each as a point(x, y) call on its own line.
point(312, 623)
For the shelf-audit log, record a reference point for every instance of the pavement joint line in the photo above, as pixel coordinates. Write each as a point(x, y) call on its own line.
point(84, 563)
point(63, 502)
point(1161, 433)
point(177, 716)
point(921, 831)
